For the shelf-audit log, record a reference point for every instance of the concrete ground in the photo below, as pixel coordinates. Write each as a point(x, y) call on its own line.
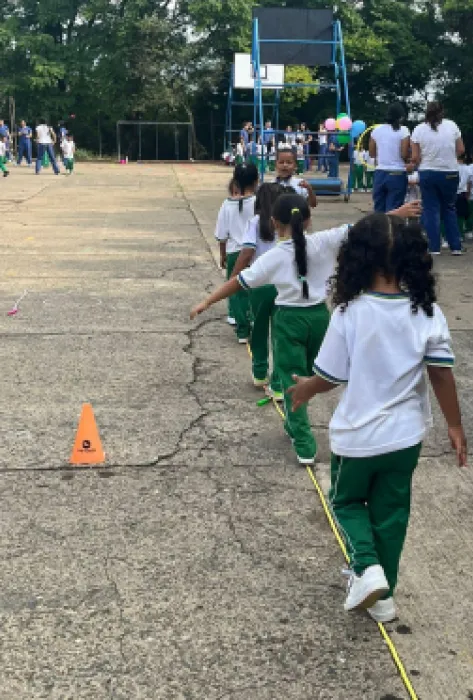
point(198, 563)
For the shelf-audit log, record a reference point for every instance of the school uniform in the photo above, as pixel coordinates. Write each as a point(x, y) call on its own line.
point(240, 154)
point(24, 144)
point(3, 158)
point(262, 306)
point(231, 228)
point(378, 349)
point(299, 324)
point(390, 178)
point(462, 203)
point(333, 156)
point(68, 150)
point(293, 182)
point(5, 131)
point(300, 159)
point(370, 165)
point(272, 160)
point(358, 171)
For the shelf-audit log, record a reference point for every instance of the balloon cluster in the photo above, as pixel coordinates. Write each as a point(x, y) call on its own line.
point(344, 123)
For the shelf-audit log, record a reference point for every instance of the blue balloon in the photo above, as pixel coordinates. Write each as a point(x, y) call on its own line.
point(358, 128)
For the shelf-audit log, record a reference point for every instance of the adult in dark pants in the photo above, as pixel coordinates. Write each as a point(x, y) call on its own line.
point(436, 145)
point(24, 143)
point(390, 146)
point(45, 138)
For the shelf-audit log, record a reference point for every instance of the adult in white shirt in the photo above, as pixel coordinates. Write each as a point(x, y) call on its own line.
point(436, 145)
point(45, 138)
point(389, 145)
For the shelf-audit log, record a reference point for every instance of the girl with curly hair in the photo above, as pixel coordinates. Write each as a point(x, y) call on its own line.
point(385, 330)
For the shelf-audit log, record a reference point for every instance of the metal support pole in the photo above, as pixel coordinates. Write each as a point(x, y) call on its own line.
point(157, 137)
point(118, 142)
point(176, 143)
point(139, 143)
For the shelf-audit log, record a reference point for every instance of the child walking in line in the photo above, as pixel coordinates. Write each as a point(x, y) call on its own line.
point(232, 220)
point(463, 196)
point(370, 167)
point(3, 156)
point(68, 148)
point(358, 171)
point(299, 267)
point(286, 166)
point(384, 333)
point(260, 237)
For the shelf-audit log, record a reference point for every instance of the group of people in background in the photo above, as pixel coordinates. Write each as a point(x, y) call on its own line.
point(45, 138)
point(309, 146)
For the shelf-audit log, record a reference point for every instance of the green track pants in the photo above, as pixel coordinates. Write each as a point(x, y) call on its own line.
point(298, 335)
point(369, 179)
point(3, 164)
point(262, 306)
point(371, 501)
point(359, 177)
point(239, 303)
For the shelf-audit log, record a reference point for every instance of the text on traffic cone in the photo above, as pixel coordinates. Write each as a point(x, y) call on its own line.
point(87, 446)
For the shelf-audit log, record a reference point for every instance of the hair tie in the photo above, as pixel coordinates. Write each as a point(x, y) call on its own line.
point(302, 278)
point(295, 211)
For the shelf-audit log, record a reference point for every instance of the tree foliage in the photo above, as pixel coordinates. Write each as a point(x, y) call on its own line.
point(105, 60)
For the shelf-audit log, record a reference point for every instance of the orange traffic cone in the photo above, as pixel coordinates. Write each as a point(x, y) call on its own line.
point(87, 446)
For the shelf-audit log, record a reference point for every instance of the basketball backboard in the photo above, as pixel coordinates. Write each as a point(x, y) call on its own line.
point(244, 77)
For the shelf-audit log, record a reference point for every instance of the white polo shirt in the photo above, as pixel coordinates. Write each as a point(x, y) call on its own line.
point(278, 267)
point(254, 241)
point(231, 222)
point(378, 348)
point(43, 134)
point(437, 148)
point(388, 147)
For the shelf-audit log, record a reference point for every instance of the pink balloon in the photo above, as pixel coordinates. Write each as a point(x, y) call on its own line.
point(330, 124)
point(345, 124)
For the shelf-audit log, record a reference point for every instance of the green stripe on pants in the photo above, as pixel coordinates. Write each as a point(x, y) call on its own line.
point(239, 303)
point(298, 335)
point(3, 162)
point(262, 306)
point(371, 501)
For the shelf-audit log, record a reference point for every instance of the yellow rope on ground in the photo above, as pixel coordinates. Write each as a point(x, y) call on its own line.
point(390, 644)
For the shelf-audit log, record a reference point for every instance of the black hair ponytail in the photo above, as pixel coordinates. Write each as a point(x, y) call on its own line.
point(245, 176)
point(266, 197)
point(293, 210)
point(300, 249)
point(395, 115)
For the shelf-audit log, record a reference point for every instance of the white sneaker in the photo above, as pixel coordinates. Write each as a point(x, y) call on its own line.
point(469, 236)
point(306, 461)
point(365, 590)
point(457, 252)
point(444, 244)
point(243, 341)
point(260, 382)
point(435, 252)
point(383, 610)
point(276, 395)
point(231, 321)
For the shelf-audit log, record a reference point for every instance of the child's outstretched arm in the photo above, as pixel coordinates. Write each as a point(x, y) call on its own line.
point(226, 290)
point(443, 384)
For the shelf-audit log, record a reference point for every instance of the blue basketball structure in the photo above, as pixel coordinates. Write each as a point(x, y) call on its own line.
point(322, 186)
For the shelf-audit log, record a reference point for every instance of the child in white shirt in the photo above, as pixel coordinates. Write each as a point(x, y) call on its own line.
point(68, 148)
point(385, 335)
point(3, 156)
point(232, 221)
point(299, 267)
point(286, 165)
